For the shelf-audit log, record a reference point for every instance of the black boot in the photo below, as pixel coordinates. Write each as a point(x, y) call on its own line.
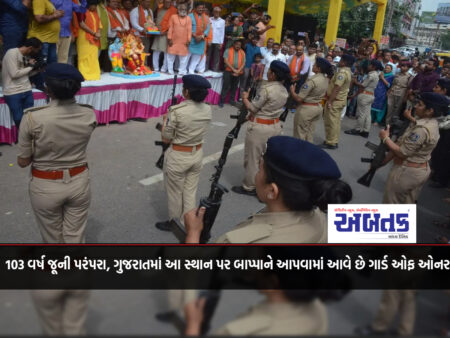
point(163, 226)
point(352, 132)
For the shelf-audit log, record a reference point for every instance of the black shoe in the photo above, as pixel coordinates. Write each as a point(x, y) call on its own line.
point(328, 146)
point(240, 190)
point(220, 104)
point(163, 226)
point(352, 132)
point(165, 316)
point(364, 134)
point(368, 331)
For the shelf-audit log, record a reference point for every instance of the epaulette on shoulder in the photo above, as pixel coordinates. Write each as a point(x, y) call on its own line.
point(250, 233)
point(86, 105)
point(32, 109)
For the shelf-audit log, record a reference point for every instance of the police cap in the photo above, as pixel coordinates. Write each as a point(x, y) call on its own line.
point(63, 71)
point(195, 81)
point(405, 63)
point(444, 83)
point(323, 64)
point(299, 159)
point(376, 64)
point(348, 59)
point(279, 67)
point(438, 102)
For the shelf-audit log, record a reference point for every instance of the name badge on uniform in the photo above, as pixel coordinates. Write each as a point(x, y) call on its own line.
point(340, 77)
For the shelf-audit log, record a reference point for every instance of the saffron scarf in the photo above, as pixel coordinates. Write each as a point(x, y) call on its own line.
point(165, 21)
point(201, 24)
point(231, 59)
point(294, 67)
point(93, 22)
point(114, 21)
point(74, 23)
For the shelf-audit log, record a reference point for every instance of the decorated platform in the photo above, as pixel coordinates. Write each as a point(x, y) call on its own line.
point(118, 98)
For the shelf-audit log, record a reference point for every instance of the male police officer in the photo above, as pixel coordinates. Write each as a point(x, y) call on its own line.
point(337, 100)
point(53, 139)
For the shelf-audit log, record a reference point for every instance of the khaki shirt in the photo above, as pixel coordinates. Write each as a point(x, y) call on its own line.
point(343, 79)
point(419, 140)
point(280, 319)
point(280, 227)
point(400, 84)
point(56, 136)
point(315, 89)
point(270, 100)
point(188, 123)
point(371, 81)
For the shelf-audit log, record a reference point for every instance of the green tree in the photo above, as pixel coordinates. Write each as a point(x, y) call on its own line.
point(445, 40)
point(355, 23)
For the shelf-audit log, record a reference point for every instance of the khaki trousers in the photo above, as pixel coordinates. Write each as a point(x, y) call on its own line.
point(61, 207)
point(404, 184)
point(392, 302)
point(62, 48)
point(181, 175)
point(364, 103)
point(305, 119)
point(61, 312)
point(255, 141)
point(177, 299)
point(332, 121)
point(394, 105)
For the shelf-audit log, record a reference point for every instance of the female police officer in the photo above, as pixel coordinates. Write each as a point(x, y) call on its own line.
point(310, 99)
point(284, 310)
point(263, 122)
point(296, 180)
point(53, 139)
point(184, 127)
point(413, 150)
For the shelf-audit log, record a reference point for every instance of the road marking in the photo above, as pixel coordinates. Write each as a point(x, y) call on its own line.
point(219, 124)
point(208, 159)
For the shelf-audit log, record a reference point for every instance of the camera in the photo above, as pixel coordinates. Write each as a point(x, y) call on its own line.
point(39, 64)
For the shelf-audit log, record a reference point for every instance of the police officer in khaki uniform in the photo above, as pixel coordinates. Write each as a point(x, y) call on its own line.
point(336, 101)
point(62, 312)
point(413, 150)
point(310, 99)
point(275, 316)
point(409, 173)
point(184, 127)
point(283, 312)
point(264, 121)
point(296, 180)
point(365, 100)
point(53, 139)
point(398, 91)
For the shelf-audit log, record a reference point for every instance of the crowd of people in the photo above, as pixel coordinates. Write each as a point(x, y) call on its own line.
point(294, 178)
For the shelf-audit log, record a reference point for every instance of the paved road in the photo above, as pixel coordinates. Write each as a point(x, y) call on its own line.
point(132, 312)
point(124, 210)
point(128, 198)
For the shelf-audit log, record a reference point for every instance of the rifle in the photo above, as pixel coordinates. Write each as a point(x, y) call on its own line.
point(165, 146)
point(214, 200)
point(398, 127)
